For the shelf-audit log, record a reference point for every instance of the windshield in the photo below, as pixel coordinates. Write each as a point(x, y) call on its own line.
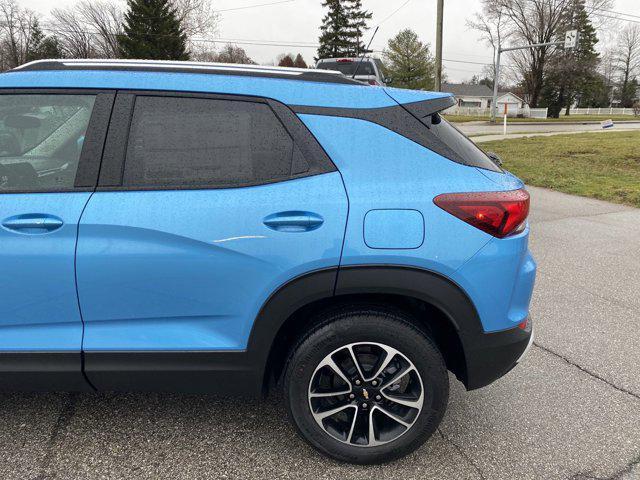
point(348, 67)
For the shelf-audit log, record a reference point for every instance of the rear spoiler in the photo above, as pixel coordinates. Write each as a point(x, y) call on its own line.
point(419, 103)
point(426, 108)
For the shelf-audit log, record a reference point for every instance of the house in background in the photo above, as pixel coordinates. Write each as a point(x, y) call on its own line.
point(479, 97)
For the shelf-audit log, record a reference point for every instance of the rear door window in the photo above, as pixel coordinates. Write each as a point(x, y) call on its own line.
point(41, 139)
point(466, 151)
point(190, 142)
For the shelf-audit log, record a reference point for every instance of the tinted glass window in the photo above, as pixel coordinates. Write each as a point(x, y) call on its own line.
point(457, 141)
point(348, 67)
point(41, 138)
point(177, 142)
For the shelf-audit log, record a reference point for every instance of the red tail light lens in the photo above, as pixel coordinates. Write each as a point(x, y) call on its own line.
point(498, 213)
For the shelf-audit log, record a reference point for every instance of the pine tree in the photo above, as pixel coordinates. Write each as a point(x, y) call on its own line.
point(628, 93)
point(40, 46)
point(408, 62)
point(357, 25)
point(334, 31)
point(342, 29)
point(152, 31)
point(572, 71)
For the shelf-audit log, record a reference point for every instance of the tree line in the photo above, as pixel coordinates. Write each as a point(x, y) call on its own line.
point(153, 29)
point(547, 76)
point(554, 77)
point(408, 62)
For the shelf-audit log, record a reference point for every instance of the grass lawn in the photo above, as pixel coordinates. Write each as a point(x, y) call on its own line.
point(599, 165)
point(562, 118)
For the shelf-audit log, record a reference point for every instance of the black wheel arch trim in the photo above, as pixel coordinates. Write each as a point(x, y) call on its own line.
point(331, 283)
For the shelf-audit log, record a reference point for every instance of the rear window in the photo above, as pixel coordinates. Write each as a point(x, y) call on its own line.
point(348, 67)
point(459, 143)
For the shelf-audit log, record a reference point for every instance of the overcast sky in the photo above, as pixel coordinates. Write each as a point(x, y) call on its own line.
point(298, 21)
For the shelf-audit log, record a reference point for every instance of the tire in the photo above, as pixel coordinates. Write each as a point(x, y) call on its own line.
point(374, 336)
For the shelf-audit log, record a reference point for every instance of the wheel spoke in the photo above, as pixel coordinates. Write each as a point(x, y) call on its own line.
point(390, 354)
point(371, 437)
point(322, 415)
point(328, 394)
point(354, 359)
point(392, 416)
point(329, 362)
point(353, 426)
point(404, 401)
point(398, 377)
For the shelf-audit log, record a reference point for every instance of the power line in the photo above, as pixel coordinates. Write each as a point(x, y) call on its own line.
point(594, 10)
point(253, 6)
point(393, 13)
point(616, 18)
point(257, 42)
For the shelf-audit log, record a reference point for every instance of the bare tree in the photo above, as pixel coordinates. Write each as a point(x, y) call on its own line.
point(493, 28)
point(77, 39)
point(106, 19)
point(16, 29)
point(90, 29)
point(627, 61)
point(233, 54)
point(532, 22)
point(197, 17)
point(607, 69)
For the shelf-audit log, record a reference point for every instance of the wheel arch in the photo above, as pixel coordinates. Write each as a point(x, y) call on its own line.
point(439, 306)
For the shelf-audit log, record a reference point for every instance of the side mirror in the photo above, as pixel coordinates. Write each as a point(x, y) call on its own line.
point(495, 158)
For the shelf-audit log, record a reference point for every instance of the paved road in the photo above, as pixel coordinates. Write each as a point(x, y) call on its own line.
point(484, 128)
point(508, 136)
point(570, 411)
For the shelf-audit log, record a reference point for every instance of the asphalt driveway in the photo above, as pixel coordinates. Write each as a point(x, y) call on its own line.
point(570, 410)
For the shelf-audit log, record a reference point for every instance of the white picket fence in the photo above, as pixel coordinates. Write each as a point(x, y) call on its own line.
point(486, 112)
point(601, 111)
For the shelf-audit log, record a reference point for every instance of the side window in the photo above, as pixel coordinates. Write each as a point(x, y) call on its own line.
point(41, 138)
point(190, 142)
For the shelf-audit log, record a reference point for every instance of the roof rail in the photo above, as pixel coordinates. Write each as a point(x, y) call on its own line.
point(311, 75)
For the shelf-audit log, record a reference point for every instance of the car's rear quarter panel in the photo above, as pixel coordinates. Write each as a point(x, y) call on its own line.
point(384, 170)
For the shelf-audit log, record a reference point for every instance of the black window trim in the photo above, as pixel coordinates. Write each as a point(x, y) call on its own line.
point(408, 120)
point(92, 148)
point(112, 171)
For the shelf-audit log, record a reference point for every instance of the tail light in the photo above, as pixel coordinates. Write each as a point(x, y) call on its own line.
point(373, 82)
point(498, 213)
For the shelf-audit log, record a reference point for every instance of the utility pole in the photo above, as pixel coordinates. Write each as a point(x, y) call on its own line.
point(570, 41)
point(438, 85)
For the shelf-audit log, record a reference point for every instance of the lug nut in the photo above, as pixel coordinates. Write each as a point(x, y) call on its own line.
point(374, 383)
point(352, 396)
point(378, 397)
point(364, 405)
point(358, 382)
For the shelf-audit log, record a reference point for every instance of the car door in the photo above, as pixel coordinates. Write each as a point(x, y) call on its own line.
point(50, 148)
point(207, 205)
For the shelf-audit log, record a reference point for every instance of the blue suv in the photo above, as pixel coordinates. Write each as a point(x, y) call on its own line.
point(193, 227)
